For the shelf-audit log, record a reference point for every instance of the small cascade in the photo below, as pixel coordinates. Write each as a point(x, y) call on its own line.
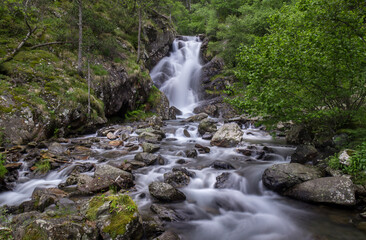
point(178, 74)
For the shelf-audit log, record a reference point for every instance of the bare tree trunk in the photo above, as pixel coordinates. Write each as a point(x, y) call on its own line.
point(139, 36)
point(80, 50)
point(88, 89)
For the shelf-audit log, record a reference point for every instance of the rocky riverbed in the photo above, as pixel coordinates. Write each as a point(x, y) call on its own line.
point(190, 178)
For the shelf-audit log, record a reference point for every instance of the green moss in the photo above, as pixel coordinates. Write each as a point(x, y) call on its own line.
point(154, 96)
point(99, 70)
point(3, 170)
point(122, 210)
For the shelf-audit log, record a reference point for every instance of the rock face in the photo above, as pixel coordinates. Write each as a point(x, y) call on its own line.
point(229, 135)
point(160, 39)
point(281, 177)
point(332, 190)
point(165, 192)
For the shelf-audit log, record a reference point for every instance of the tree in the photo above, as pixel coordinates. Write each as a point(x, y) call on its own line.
point(310, 68)
point(80, 48)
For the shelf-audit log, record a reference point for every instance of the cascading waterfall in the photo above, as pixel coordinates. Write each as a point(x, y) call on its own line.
point(178, 74)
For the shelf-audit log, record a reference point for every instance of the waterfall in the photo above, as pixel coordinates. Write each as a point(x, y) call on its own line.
point(178, 74)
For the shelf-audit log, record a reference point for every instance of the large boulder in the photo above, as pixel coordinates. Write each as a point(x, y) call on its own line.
point(105, 176)
point(44, 197)
point(207, 125)
point(332, 190)
point(229, 135)
point(281, 177)
point(165, 192)
point(304, 154)
point(150, 147)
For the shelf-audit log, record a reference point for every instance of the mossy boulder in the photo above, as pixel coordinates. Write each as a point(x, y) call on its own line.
point(116, 217)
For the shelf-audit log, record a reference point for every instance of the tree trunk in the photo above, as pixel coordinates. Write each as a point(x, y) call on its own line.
point(139, 36)
point(80, 50)
point(89, 89)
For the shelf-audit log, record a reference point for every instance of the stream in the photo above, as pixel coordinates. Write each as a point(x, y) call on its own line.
point(241, 208)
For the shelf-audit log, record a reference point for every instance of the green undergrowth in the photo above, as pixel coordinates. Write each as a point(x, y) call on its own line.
point(43, 166)
point(357, 166)
point(122, 211)
point(3, 170)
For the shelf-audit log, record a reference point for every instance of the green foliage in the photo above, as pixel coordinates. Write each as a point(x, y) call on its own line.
point(99, 70)
point(310, 68)
point(3, 170)
point(357, 166)
point(43, 166)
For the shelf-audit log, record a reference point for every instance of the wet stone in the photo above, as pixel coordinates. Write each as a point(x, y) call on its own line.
point(203, 148)
point(166, 192)
point(186, 133)
point(192, 153)
point(177, 179)
point(222, 165)
point(165, 213)
point(222, 181)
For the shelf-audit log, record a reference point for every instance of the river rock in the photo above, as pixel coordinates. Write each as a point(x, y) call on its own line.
point(207, 136)
point(186, 133)
point(222, 180)
point(207, 125)
point(111, 136)
point(168, 235)
point(177, 179)
point(229, 135)
point(196, 118)
point(150, 147)
point(44, 197)
point(150, 137)
point(155, 121)
point(173, 112)
point(345, 157)
point(165, 192)
point(281, 177)
point(304, 154)
point(147, 158)
point(56, 148)
point(202, 148)
point(191, 153)
point(185, 171)
point(222, 165)
point(332, 190)
point(105, 176)
point(165, 214)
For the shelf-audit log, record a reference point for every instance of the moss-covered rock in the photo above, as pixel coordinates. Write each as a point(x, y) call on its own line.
point(116, 215)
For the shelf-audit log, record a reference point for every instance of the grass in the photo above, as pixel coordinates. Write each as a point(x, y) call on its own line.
point(43, 166)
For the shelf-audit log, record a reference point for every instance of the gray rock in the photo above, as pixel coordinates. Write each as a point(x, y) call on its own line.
point(56, 148)
point(229, 135)
point(185, 171)
point(168, 236)
point(222, 165)
point(304, 154)
point(281, 177)
point(165, 213)
point(173, 112)
point(147, 158)
point(186, 133)
point(332, 190)
point(150, 147)
point(207, 136)
point(111, 136)
point(177, 179)
point(222, 180)
point(165, 192)
point(298, 134)
point(192, 153)
point(155, 121)
point(196, 118)
point(207, 125)
point(44, 197)
point(202, 148)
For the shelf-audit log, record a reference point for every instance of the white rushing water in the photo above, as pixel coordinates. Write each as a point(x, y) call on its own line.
point(178, 74)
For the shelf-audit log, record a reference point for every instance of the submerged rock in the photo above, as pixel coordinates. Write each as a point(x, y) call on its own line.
point(165, 192)
point(332, 190)
point(281, 177)
point(222, 180)
point(192, 153)
point(229, 135)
